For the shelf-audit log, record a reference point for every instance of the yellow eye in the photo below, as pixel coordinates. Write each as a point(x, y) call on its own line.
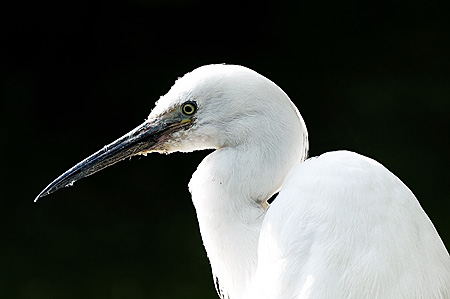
point(189, 108)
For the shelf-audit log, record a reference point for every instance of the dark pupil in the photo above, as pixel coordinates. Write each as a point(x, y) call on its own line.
point(188, 109)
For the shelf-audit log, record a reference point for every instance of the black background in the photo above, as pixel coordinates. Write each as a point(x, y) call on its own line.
point(370, 77)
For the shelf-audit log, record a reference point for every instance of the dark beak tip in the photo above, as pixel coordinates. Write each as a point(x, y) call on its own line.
point(135, 142)
point(39, 196)
point(42, 194)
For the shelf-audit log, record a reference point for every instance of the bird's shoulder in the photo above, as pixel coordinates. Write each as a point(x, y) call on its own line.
point(347, 193)
point(341, 222)
point(343, 177)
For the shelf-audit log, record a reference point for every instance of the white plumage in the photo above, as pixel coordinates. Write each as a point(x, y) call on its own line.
point(342, 226)
point(359, 233)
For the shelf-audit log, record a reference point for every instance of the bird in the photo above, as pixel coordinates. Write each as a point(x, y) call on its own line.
point(341, 226)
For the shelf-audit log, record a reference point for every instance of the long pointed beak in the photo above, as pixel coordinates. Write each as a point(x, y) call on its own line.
point(142, 139)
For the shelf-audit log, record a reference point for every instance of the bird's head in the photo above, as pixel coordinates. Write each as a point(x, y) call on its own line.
point(214, 106)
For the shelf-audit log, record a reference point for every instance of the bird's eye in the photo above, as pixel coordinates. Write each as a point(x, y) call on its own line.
point(189, 108)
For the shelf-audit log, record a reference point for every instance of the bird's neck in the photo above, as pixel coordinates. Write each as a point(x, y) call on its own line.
point(229, 219)
point(230, 192)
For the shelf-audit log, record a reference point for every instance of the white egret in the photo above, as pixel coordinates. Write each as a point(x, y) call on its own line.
point(342, 226)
